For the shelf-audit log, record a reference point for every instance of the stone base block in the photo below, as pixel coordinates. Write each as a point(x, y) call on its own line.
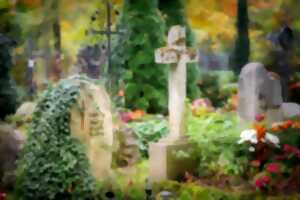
point(166, 163)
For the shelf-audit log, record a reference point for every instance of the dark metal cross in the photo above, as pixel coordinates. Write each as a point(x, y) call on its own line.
point(30, 67)
point(108, 32)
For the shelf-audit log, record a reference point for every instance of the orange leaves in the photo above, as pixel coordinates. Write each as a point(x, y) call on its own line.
point(30, 3)
point(277, 127)
point(137, 114)
point(131, 116)
point(263, 4)
point(230, 8)
point(297, 125)
point(116, 2)
point(260, 131)
point(287, 124)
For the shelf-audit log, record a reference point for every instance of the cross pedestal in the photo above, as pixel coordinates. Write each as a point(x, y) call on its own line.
point(164, 163)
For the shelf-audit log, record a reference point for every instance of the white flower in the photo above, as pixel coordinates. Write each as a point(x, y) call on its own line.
point(251, 149)
point(272, 139)
point(248, 135)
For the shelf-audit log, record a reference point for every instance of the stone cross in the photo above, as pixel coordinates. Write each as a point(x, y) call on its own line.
point(177, 55)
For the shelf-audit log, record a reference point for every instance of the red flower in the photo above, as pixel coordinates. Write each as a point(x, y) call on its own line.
point(259, 118)
point(298, 154)
point(280, 157)
point(288, 148)
point(2, 196)
point(287, 124)
point(255, 163)
point(273, 168)
point(262, 182)
point(259, 183)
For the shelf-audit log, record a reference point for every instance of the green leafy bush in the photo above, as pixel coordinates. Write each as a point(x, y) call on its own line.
point(216, 137)
point(194, 191)
point(150, 130)
point(145, 81)
point(218, 86)
point(53, 164)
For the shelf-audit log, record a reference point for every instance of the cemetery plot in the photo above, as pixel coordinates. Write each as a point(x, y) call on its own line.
point(149, 99)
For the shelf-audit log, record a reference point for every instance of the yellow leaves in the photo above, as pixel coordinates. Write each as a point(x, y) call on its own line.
point(65, 25)
point(213, 17)
point(256, 33)
point(216, 24)
point(4, 4)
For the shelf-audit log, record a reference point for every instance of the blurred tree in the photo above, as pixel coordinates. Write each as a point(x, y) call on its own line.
point(242, 44)
point(8, 94)
point(174, 14)
point(145, 81)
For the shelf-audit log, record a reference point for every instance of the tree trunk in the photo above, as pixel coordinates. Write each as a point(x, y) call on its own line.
point(57, 42)
point(242, 45)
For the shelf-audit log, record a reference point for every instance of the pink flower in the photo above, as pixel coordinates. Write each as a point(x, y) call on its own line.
point(273, 168)
point(259, 118)
point(126, 117)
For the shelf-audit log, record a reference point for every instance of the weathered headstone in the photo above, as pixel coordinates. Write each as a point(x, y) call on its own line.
point(290, 110)
point(163, 162)
point(259, 92)
point(91, 122)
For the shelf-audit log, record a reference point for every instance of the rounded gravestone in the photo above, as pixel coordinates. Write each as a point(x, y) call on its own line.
point(10, 145)
point(91, 123)
point(26, 109)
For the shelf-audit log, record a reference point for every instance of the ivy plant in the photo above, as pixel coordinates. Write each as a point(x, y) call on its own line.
point(53, 164)
point(150, 130)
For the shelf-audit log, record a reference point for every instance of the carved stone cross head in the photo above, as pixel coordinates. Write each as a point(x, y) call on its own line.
point(176, 48)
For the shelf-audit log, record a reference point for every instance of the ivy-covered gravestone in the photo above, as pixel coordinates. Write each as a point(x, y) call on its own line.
point(8, 93)
point(69, 143)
